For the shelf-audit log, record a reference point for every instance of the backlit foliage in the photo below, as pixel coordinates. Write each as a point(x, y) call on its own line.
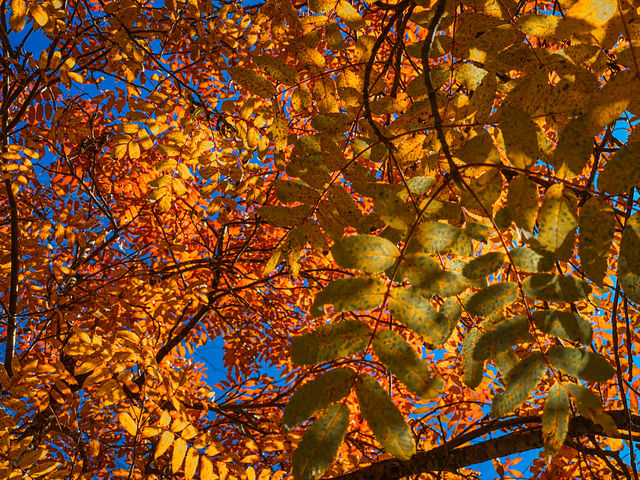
point(413, 226)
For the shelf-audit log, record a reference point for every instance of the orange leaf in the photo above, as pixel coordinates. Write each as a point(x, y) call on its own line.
point(128, 423)
point(179, 451)
point(164, 443)
point(206, 468)
point(191, 463)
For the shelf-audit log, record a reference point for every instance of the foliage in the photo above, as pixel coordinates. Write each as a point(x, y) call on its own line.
point(405, 221)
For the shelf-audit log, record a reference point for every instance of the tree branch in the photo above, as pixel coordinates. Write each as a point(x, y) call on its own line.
point(446, 458)
point(13, 287)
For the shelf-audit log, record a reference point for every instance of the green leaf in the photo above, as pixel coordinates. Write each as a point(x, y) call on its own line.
point(477, 231)
point(580, 363)
point(360, 293)
point(555, 419)
point(622, 170)
point(502, 336)
point(384, 419)
point(503, 218)
point(522, 202)
point(443, 238)
point(365, 252)
point(596, 234)
point(558, 221)
point(483, 266)
point(472, 368)
point(419, 185)
point(401, 360)
point(320, 444)
point(253, 82)
point(629, 260)
point(410, 307)
point(330, 342)
point(575, 145)
point(492, 298)
point(316, 395)
point(424, 272)
point(528, 260)
point(505, 361)
point(555, 288)
point(590, 406)
point(392, 210)
point(520, 382)
point(277, 69)
point(567, 325)
point(520, 138)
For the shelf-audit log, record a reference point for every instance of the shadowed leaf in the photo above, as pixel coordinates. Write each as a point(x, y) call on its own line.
point(320, 443)
point(384, 419)
point(330, 342)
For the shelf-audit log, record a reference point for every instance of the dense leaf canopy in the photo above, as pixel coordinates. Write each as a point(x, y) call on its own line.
point(412, 228)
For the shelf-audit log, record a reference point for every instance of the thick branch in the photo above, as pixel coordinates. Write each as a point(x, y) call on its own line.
point(13, 287)
point(445, 458)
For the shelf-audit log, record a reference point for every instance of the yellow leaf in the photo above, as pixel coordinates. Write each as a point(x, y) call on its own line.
point(250, 473)
point(165, 419)
point(179, 452)
point(191, 463)
point(18, 15)
point(164, 443)
point(206, 468)
point(39, 14)
point(128, 423)
point(134, 150)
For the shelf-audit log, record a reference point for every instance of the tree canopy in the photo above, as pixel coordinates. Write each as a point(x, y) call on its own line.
point(412, 227)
